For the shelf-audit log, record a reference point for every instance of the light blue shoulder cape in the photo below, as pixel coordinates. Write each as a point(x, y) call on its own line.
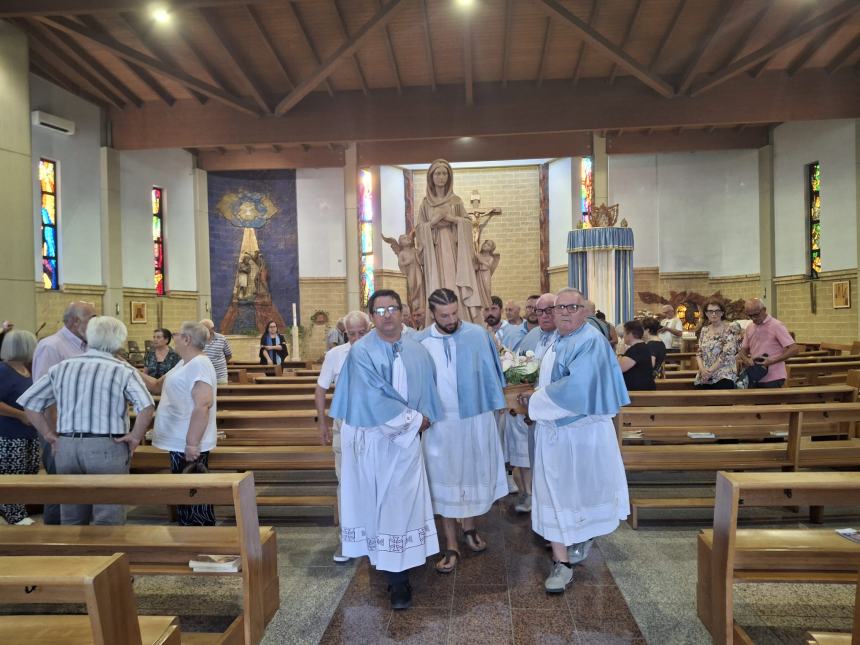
point(365, 397)
point(513, 335)
point(479, 373)
point(586, 377)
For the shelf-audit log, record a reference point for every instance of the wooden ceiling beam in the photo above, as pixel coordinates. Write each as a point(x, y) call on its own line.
point(506, 50)
point(815, 43)
point(84, 58)
point(303, 29)
point(344, 32)
point(428, 44)
point(843, 55)
point(242, 67)
point(389, 47)
point(34, 8)
point(522, 108)
point(205, 62)
point(580, 54)
point(547, 33)
point(379, 19)
point(557, 10)
point(64, 81)
point(637, 10)
point(840, 12)
point(686, 140)
point(802, 16)
point(155, 48)
point(258, 21)
point(746, 35)
point(136, 58)
point(271, 158)
point(468, 71)
point(664, 41)
point(144, 76)
point(724, 10)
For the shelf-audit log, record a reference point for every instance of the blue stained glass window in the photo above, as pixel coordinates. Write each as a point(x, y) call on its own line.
point(365, 218)
point(48, 222)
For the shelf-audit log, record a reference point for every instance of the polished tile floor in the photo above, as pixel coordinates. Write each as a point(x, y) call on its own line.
point(493, 597)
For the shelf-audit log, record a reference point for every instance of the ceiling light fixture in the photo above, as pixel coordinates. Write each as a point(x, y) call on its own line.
point(465, 3)
point(161, 15)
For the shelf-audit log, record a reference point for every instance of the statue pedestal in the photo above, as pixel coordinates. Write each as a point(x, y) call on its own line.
point(600, 265)
point(245, 316)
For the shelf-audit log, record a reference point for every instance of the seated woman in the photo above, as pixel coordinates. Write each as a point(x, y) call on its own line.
point(719, 342)
point(637, 364)
point(273, 346)
point(655, 345)
point(160, 358)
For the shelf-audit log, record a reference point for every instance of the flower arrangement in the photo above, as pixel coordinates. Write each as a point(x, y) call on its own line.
point(521, 373)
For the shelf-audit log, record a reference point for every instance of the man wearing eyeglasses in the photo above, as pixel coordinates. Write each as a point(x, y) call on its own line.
point(386, 396)
point(465, 465)
point(766, 343)
point(580, 487)
point(514, 334)
point(519, 434)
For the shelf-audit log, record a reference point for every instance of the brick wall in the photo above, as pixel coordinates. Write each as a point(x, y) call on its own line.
point(557, 278)
point(516, 231)
point(320, 294)
point(169, 311)
point(50, 305)
point(794, 302)
point(649, 279)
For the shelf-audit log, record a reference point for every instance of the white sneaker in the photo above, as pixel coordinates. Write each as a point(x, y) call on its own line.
point(524, 505)
point(513, 489)
point(339, 556)
point(27, 521)
point(560, 577)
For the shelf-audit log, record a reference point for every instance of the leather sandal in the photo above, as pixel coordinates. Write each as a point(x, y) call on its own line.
point(452, 557)
point(472, 541)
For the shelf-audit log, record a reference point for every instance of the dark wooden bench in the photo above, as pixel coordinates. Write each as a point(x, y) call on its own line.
point(101, 583)
point(154, 549)
point(800, 374)
point(728, 554)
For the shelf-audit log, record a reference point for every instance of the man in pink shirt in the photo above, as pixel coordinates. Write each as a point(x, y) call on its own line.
point(766, 342)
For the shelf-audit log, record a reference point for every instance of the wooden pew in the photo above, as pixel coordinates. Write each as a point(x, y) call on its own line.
point(251, 402)
point(795, 395)
point(842, 348)
point(273, 380)
point(157, 550)
point(846, 358)
point(256, 369)
point(102, 583)
point(840, 638)
point(800, 374)
point(758, 430)
point(266, 389)
point(728, 554)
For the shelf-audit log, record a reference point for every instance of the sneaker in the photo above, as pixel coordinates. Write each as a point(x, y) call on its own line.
point(27, 521)
point(401, 596)
point(513, 489)
point(524, 505)
point(339, 556)
point(576, 553)
point(561, 576)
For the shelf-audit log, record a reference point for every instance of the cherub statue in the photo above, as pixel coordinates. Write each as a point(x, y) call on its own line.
point(409, 260)
point(486, 263)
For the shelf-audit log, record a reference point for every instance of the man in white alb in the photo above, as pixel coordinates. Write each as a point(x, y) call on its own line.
point(672, 330)
point(462, 451)
point(386, 396)
point(580, 487)
point(357, 324)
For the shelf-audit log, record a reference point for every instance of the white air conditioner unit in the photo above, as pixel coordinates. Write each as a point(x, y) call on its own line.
point(52, 122)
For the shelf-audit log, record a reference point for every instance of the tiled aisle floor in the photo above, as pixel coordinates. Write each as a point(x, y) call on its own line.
point(493, 597)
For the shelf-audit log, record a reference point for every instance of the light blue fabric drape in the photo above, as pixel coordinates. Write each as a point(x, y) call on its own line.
point(617, 239)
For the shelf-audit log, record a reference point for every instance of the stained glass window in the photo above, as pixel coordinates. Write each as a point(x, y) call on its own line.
point(813, 191)
point(48, 220)
point(586, 187)
point(365, 222)
point(158, 238)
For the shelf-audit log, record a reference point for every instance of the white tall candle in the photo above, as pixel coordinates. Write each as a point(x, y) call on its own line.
point(296, 353)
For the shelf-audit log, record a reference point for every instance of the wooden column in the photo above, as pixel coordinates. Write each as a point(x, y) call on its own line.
point(350, 196)
point(767, 258)
point(201, 244)
point(111, 233)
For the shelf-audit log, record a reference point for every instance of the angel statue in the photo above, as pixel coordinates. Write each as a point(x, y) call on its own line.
point(486, 263)
point(409, 260)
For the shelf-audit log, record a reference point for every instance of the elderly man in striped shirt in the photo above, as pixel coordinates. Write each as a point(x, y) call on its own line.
point(91, 393)
point(218, 350)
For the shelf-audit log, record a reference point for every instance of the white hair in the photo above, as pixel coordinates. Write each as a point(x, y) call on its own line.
point(106, 334)
point(18, 345)
point(206, 322)
point(568, 290)
point(356, 317)
point(197, 332)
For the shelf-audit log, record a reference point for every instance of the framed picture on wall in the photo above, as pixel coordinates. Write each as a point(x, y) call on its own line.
point(842, 294)
point(138, 312)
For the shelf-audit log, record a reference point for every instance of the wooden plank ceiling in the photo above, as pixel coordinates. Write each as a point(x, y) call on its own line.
point(274, 59)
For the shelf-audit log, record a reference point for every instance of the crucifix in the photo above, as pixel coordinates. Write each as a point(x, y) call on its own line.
point(480, 217)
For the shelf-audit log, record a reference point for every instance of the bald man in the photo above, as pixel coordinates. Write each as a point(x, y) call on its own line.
point(768, 343)
point(513, 313)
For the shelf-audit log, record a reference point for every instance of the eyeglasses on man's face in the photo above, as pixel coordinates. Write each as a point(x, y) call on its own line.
point(545, 310)
point(391, 309)
point(573, 308)
point(754, 314)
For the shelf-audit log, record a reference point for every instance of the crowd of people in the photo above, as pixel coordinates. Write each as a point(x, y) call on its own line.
point(419, 426)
